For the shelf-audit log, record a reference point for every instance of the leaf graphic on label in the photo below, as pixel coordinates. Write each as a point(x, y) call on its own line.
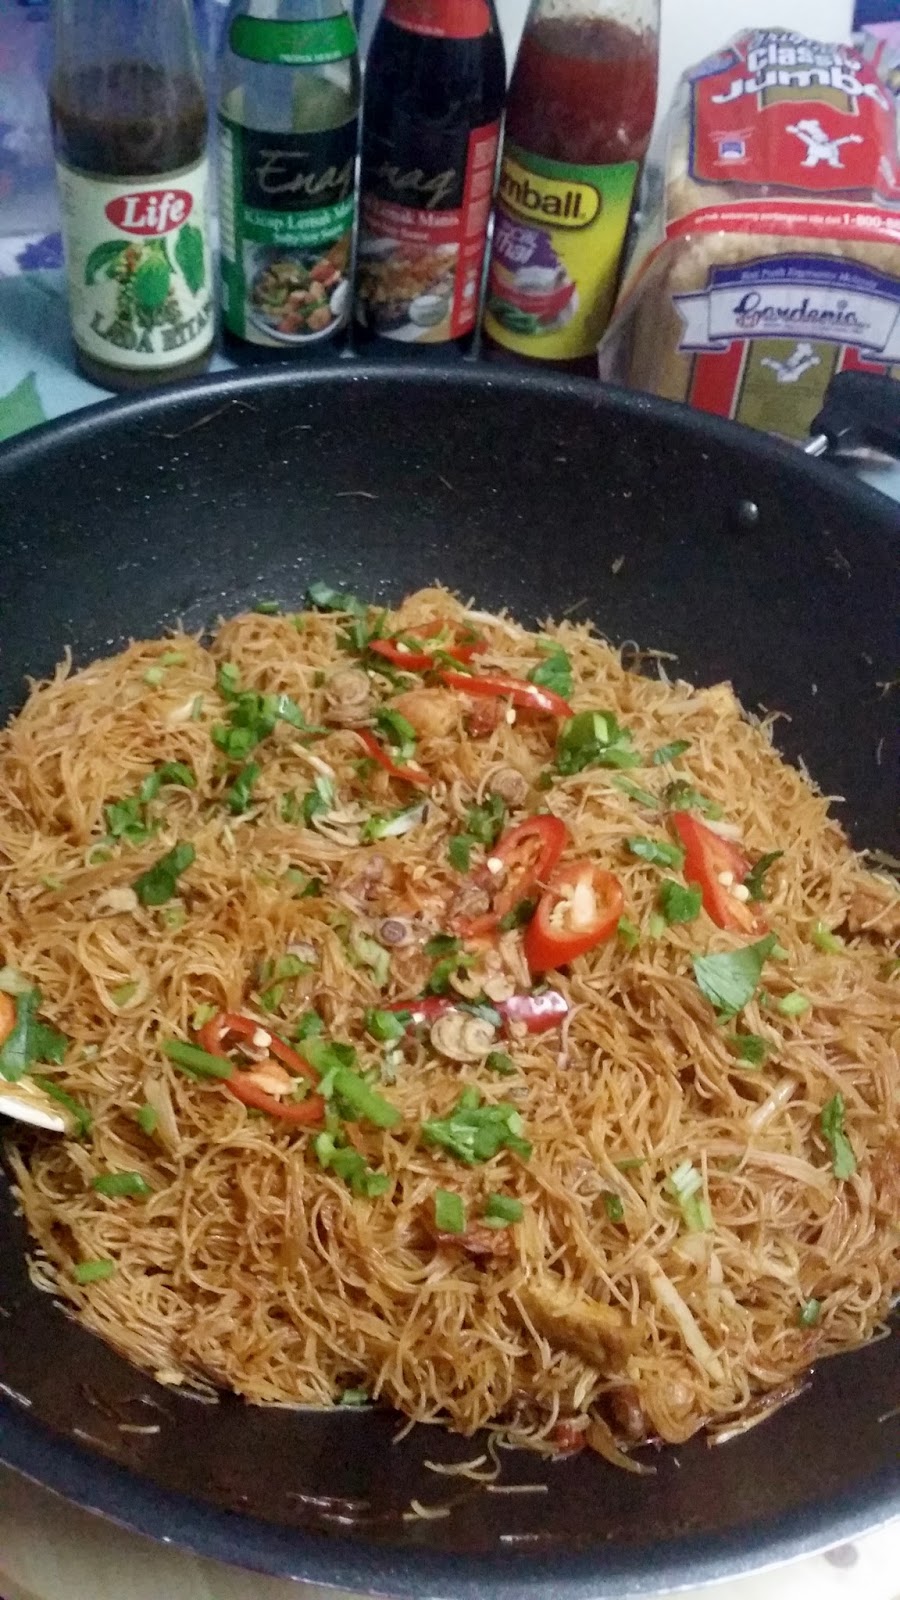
point(103, 255)
point(189, 255)
point(151, 282)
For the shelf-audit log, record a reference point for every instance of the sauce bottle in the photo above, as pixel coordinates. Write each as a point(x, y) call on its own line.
point(288, 128)
point(581, 108)
point(128, 112)
point(434, 89)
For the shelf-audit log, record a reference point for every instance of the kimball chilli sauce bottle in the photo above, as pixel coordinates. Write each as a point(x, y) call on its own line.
point(432, 100)
point(129, 118)
point(581, 108)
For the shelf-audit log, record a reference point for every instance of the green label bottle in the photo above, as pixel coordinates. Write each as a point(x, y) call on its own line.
point(288, 117)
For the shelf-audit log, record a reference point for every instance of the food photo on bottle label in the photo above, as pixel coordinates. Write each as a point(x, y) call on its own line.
point(287, 143)
point(431, 128)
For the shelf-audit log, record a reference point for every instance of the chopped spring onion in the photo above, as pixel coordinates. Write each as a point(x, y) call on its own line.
point(74, 1107)
point(202, 1015)
point(656, 925)
point(614, 1207)
point(154, 676)
point(158, 884)
point(659, 852)
point(12, 982)
point(309, 1026)
point(670, 752)
point(196, 1062)
point(449, 1212)
point(474, 1132)
point(336, 1156)
point(354, 1397)
point(239, 795)
point(684, 1186)
point(115, 1184)
point(124, 993)
point(498, 1061)
point(395, 825)
point(174, 916)
point(629, 934)
point(369, 953)
point(385, 1025)
point(635, 792)
point(594, 739)
point(501, 1209)
point(148, 1118)
point(267, 608)
point(794, 1004)
point(824, 939)
point(832, 1124)
point(93, 1271)
point(810, 1313)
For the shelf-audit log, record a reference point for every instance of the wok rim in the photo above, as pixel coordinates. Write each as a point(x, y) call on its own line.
point(106, 1488)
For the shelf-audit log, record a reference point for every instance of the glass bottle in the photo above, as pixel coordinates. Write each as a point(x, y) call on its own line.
point(581, 107)
point(129, 120)
point(434, 89)
point(288, 127)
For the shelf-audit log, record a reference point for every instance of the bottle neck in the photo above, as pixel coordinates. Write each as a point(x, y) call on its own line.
point(291, 10)
point(94, 33)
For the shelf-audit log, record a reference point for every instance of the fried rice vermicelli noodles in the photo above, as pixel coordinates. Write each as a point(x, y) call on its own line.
point(292, 1263)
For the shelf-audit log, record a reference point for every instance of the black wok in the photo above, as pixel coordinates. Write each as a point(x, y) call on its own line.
point(525, 493)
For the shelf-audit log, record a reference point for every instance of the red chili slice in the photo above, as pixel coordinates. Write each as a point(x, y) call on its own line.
point(379, 754)
point(706, 855)
point(528, 853)
point(537, 1012)
point(226, 1026)
point(422, 660)
point(580, 908)
point(527, 696)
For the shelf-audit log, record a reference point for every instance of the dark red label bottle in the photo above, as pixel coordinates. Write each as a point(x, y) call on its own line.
point(434, 89)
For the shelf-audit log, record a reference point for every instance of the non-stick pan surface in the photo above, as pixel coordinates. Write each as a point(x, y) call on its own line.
point(743, 558)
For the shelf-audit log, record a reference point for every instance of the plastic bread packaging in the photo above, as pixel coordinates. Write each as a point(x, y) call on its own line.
point(769, 254)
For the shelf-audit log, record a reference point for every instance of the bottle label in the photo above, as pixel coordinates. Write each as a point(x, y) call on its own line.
point(286, 224)
point(421, 241)
point(440, 19)
point(558, 240)
point(139, 270)
point(293, 44)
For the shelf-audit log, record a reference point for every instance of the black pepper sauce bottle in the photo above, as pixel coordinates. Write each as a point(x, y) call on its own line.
point(432, 99)
point(128, 110)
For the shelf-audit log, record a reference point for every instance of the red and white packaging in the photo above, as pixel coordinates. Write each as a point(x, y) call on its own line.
point(770, 259)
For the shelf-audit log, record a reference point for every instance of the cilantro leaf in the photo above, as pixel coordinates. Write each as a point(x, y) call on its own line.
point(843, 1163)
point(677, 903)
point(160, 882)
point(474, 1132)
point(594, 739)
point(485, 823)
point(682, 796)
point(29, 1040)
point(754, 878)
point(749, 1047)
point(729, 980)
point(459, 851)
point(554, 672)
